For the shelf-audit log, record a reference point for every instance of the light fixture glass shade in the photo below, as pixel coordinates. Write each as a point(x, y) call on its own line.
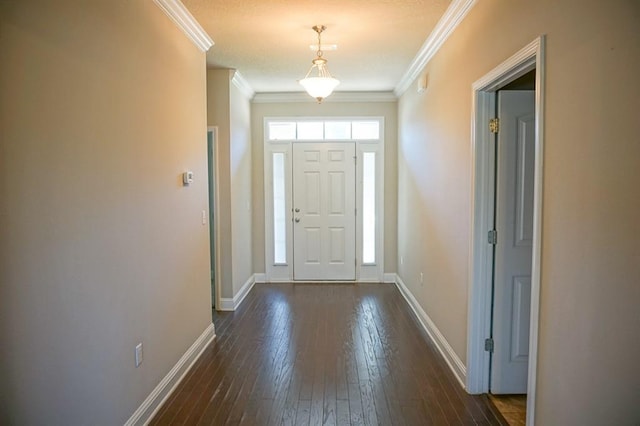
point(319, 87)
point(322, 84)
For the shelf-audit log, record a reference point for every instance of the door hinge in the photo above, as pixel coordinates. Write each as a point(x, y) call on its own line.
point(488, 345)
point(355, 160)
point(492, 236)
point(494, 125)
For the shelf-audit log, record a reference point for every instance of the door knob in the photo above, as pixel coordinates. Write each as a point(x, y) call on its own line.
point(297, 219)
point(297, 210)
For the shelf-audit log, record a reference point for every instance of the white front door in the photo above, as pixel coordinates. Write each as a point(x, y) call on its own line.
point(514, 225)
point(324, 202)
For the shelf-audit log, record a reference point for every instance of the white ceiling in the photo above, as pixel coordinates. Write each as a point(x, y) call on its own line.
point(268, 40)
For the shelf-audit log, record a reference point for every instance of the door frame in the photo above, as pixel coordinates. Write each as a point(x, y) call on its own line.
point(283, 272)
point(482, 206)
point(213, 203)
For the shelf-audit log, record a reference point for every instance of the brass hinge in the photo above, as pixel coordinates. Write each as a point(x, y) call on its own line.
point(492, 236)
point(488, 345)
point(494, 125)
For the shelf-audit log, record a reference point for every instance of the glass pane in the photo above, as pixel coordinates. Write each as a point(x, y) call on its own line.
point(279, 219)
point(337, 130)
point(310, 130)
point(369, 208)
point(366, 130)
point(282, 131)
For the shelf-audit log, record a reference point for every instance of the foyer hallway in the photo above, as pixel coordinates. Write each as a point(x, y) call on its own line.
point(322, 354)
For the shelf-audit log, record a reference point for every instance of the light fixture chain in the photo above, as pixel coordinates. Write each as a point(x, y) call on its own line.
point(319, 31)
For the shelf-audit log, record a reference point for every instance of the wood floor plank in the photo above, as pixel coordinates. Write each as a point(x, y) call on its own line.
point(322, 354)
point(303, 412)
point(356, 415)
point(342, 413)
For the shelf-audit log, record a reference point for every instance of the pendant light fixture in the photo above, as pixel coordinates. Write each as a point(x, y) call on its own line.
point(321, 85)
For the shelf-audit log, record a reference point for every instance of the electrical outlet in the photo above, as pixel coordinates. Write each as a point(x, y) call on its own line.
point(401, 260)
point(421, 278)
point(204, 217)
point(138, 354)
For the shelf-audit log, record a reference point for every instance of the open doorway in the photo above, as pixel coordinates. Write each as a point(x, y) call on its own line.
point(514, 143)
point(212, 137)
point(503, 318)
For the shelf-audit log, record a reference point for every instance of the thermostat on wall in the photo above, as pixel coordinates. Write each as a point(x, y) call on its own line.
point(187, 178)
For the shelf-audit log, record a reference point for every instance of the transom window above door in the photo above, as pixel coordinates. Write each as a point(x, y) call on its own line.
point(319, 130)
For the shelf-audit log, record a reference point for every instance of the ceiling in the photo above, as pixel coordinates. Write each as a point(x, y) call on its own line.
point(268, 41)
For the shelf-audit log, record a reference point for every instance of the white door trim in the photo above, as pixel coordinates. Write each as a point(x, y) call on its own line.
point(283, 272)
point(482, 165)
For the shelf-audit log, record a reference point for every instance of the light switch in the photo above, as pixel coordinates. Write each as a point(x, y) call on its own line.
point(187, 178)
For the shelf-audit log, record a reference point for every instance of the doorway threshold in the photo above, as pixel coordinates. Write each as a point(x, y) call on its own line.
point(512, 407)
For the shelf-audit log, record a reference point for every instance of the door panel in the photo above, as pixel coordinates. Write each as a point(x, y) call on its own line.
point(520, 318)
point(324, 211)
point(337, 194)
point(336, 245)
point(514, 223)
point(524, 178)
point(312, 193)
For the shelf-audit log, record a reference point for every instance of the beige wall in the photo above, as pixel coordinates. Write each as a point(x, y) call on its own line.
point(241, 189)
point(229, 110)
point(589, 343)
point(102, 107)
point(388, 110)
point(218, 114)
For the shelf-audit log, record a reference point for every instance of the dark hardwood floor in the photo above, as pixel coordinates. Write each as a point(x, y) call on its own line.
point(316, 354)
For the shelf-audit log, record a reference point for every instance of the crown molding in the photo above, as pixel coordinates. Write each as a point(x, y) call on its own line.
point(186, 22)
point(243, 85)
point(303, 97)
point(452, 17)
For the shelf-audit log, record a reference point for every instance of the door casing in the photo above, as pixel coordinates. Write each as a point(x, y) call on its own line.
point(365, 272)
point(483, 165)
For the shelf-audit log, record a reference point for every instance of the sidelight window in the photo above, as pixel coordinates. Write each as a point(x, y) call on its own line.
point(279, 210)
point(369, 208)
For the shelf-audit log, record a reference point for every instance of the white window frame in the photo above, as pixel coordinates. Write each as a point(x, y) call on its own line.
point(370, 272)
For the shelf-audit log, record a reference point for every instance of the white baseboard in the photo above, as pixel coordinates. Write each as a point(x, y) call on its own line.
point(229, 304)
point(168, 384)
point(453, 361)
point(389, 277)
point(226, 304)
